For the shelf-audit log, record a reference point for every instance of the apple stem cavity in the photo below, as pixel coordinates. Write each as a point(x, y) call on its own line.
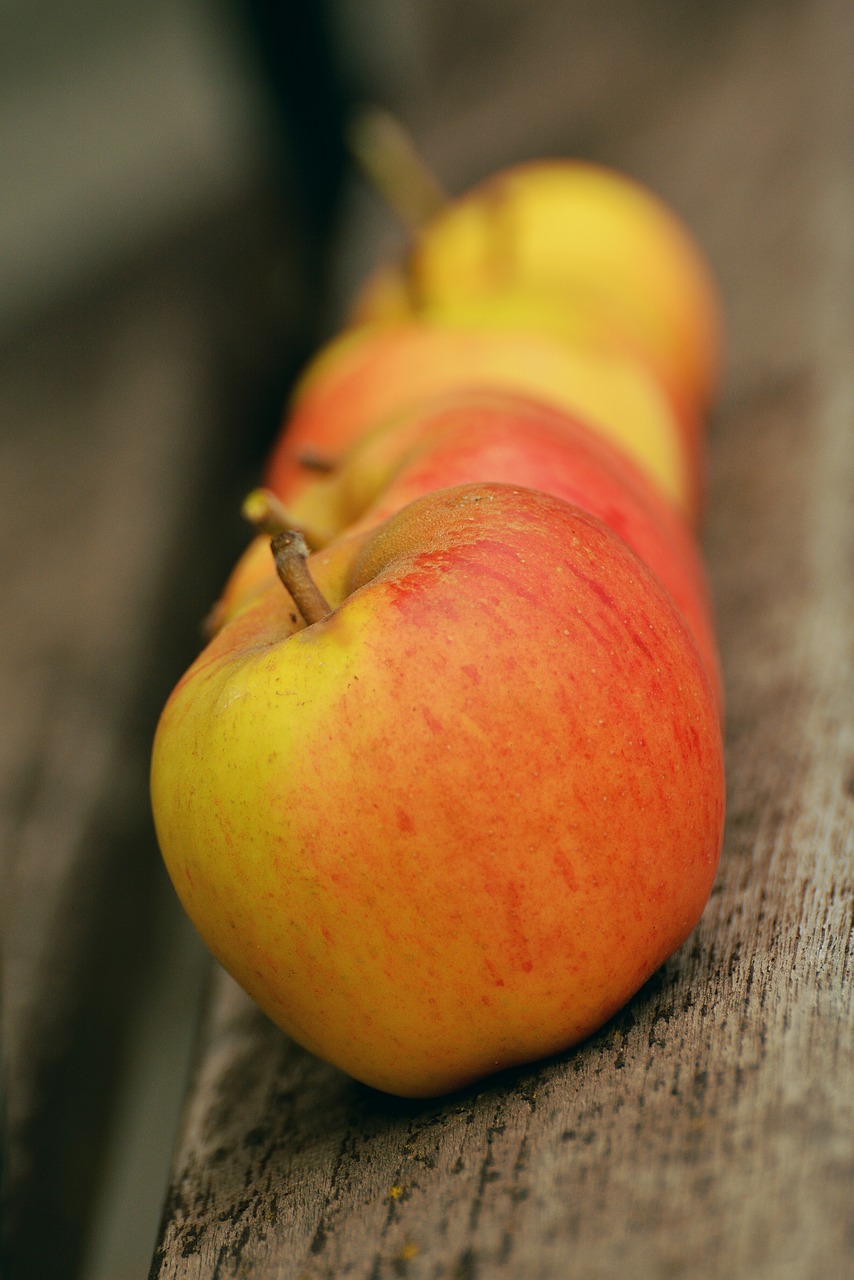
point(290, 554)
point(315, 462)
point(389, 159)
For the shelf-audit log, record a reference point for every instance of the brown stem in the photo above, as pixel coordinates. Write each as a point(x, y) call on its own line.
point(265, 512)
point(268, 514)
point(388, 157)
point(291, 556)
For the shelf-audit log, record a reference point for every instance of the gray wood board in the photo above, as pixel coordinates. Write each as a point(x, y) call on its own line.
point(118, 521)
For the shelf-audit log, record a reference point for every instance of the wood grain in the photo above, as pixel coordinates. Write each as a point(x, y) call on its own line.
point(708, 1130)
point(111, 467)
point(100, 436)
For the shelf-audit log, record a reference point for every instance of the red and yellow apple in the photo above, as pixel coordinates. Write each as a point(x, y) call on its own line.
point(368, 375)
point(452, 822)
point(582, 235)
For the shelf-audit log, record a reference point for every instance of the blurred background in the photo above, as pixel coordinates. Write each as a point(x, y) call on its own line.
point(180, 226)
point(123, 125)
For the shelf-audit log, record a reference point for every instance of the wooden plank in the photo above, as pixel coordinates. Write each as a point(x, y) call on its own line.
point(119, 520)
point(708, 1130)
point(102, 439)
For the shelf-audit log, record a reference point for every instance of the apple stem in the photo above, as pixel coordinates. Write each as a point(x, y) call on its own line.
point(388, 157)
point(265, 512)
point(291, 556)
point(268, 514)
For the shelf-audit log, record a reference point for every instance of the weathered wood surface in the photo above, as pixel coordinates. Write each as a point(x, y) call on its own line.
point(113, 489)
point(93, 482)
point(708, 1131)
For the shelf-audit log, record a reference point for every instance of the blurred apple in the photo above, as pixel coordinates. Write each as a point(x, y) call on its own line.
point(583, 235)
point(368, 375)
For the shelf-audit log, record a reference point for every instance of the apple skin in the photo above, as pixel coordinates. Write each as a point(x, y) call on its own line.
point(509, 439)
point(456, 824)
point(366, 376)
point(578, 233)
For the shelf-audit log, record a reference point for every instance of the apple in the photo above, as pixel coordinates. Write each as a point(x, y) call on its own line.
point(581, 234)
point(452, 817)
point(367, 375)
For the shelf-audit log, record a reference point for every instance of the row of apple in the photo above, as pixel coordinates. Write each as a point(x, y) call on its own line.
point(446, 785)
